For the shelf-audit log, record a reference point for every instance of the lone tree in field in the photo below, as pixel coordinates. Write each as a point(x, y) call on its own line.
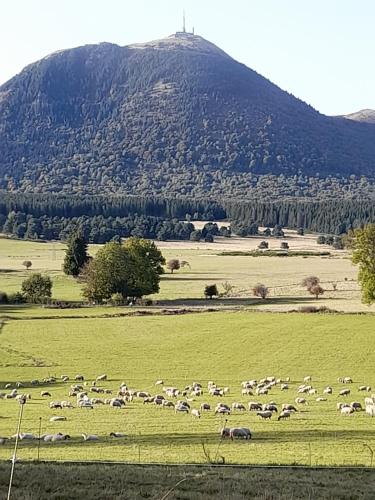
point(173, 265)
point(211, 291)
point(310, 281)
point(261, 291)
point(76, 255)
point(362, 243)
point(132, 270)
point(37, 289)
point(316, 290)
point(27, 264)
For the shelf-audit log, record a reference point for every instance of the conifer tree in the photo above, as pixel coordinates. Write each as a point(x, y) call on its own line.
point(76, 255)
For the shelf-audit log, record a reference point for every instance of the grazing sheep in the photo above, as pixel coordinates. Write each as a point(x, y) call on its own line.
point(222, 410)
point(225, 432)
point(344, 392)
point(85, 404)
point(66, 404)
point(313, 391)
point(345, 380)
point(366, 388)
point(238, 406)
point(247, 392)
point(168, 404)
point(240, 433)
point(117, 434)
point(347, 410)
point(288, 407)
point(328, 390)
point(265, 414)
point(356, 405)
point(116, 403)
point(284, 414)
point(79, 377)
point(254, 406)
point(143, 394)
point(89, 437)
point(195, 413)
point(159, 382)
point(269, 407)
point(307, 379)
point(321, 399)
point(100, 378)
point(370, 410)
point(205, 407)
point(284, 387)
point(181, 408)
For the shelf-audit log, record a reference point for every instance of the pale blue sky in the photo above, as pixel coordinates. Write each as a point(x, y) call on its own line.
point(319, 50)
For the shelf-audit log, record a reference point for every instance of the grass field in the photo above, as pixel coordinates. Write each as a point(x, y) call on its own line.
point(226, 347)
point(72, 482)
point(282, 275)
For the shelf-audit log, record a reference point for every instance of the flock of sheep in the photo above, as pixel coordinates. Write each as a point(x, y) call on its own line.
point(189, 400)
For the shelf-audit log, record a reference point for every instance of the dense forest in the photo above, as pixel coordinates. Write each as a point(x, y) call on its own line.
point(103, 218)
point(179, 117)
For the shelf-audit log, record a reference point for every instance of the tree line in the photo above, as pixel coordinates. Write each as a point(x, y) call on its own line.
point(105, 217)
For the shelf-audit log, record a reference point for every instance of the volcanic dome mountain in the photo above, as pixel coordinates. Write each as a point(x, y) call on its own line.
point(176, 116)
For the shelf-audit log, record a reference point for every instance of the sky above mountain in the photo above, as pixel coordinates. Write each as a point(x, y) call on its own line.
point(321, 51)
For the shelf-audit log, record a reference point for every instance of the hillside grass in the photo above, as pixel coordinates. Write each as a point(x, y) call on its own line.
point(66, 482)
point(226, 347)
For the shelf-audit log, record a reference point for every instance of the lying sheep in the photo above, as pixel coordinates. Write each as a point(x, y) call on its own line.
point(59, 418)
point(117, 434)
point(46, 394)
point(301, 401)
point(328, 390)
point(344, 392)
point(89, 437)
point(100, 378)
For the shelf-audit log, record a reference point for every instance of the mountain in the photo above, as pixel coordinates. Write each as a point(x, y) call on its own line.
point(364, 115)
point(176, 116)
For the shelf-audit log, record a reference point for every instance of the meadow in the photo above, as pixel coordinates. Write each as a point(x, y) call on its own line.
point(226, 347)
point(241, 338)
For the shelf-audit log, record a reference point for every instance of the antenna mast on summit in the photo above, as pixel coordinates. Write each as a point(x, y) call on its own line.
point(183, 22)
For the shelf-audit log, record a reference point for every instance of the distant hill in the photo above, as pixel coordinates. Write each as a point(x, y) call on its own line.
point(176, 116)
point(365, 115)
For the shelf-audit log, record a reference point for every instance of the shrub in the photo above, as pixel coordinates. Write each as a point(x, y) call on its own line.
point(321, 239)
point(3, 298)
point(260, 290)
point(27, 264)
point(16, 298)
point(211, 291)
point(284, 245)
point(117, 299)
point(301, 231)
point(209, 238)
point(263, 245)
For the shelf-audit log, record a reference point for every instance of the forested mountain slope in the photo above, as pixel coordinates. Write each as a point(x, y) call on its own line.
point(176, 115)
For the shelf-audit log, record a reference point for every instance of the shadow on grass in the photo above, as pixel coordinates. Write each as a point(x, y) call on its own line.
point(233, 301)
point(212, 438)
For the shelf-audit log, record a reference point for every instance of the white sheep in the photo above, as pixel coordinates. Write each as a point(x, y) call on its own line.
point(347, 410)
point(284, 414)
point(195, 413)
point(89, 437)
point(265, 414)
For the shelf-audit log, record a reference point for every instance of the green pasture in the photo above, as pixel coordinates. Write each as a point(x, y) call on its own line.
point(185, 287)
point(226, 347)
